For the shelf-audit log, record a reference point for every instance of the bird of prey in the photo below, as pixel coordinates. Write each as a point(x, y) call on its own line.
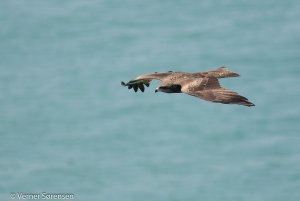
point(204, 85)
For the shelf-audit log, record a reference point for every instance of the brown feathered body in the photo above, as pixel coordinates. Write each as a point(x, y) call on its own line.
point(204, 85)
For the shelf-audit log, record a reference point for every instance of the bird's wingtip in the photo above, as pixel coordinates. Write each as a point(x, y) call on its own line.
point(249, 104)
point(123, 84)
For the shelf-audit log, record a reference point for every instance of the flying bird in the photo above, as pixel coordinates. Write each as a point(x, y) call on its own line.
point(204, 85)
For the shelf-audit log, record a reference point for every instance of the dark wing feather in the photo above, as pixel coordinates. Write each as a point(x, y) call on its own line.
point(141, 87)
point(135, 87)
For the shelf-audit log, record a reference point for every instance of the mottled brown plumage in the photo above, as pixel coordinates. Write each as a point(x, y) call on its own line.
point(204, 85)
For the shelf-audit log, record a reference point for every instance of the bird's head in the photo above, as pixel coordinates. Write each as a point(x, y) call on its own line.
point(174, 88)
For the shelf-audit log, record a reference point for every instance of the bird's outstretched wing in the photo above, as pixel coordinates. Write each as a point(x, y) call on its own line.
point(140, 81)
point(209, 89)
point(221, 72)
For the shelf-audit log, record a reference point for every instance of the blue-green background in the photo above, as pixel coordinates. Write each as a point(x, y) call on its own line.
point(67, 125)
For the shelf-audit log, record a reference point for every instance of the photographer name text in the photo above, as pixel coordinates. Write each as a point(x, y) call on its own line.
point(41, 196)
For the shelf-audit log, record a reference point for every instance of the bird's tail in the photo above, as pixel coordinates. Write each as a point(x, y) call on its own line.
point(222, 72)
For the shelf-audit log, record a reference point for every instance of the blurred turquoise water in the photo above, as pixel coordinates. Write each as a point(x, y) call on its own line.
point(67, 125)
